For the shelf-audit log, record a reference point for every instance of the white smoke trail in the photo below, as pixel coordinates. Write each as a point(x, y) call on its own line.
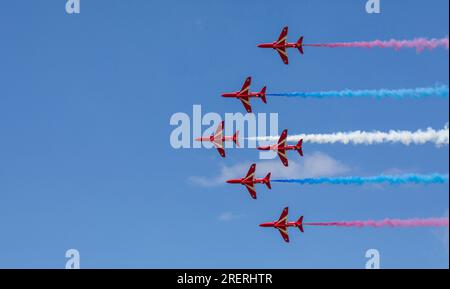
point(430, 135)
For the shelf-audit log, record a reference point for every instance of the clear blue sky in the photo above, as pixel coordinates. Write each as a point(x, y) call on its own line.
point(85, 159)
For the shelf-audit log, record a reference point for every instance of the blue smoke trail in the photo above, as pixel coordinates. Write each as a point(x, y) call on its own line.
point(438, 90)
point(393, 180)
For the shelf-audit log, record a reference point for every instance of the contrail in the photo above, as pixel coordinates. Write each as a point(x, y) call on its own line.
point(423, 92)
point(429, 222)
point(393, 180)
point(430, 135)
point(419, 44)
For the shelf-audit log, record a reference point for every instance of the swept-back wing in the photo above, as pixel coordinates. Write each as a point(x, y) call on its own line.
point(283, 35)
point(251, 190)
point(282, 139)
point(281, 148)
point(282, 224)
point(245, 87)
point(221, 152)
point(283, 54)
point(251, 173)
point(284, 233)
point(218, 139)
point(282, 220)
point(219, 131)
point(246, 102)
point(283, 157)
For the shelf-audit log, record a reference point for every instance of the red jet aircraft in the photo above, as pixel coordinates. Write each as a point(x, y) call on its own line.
point(249, 181)
point(218, 139)
point(280, 45)
point(282, 224)
point(244, 94)
point(281, 148)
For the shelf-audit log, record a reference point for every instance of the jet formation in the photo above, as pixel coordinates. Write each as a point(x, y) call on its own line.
point(218, 139)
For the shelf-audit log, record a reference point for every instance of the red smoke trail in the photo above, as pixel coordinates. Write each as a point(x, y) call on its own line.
point(419, 44)
point(430, 222)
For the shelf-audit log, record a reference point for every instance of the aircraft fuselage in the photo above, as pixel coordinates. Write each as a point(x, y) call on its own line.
point(212, 139)
point(276, 147)
point(249, 182)
point(278, 225)
point(274, 45)
point(237, 95)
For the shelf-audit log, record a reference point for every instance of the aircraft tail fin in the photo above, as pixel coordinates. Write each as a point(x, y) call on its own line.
point(300, 224)
point(300, 45)
point(262, 94)
point(267, 181)
point(300, 147)
point(236, 138)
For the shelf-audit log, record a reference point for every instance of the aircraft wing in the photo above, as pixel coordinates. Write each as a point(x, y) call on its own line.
point(281, 150)
point(221, 152)
point(283, 54)
point(283, 158)
point(284, 233)
point(282, 222)
point(251, 173)
point(251, 190)
point(218, 143)
point(246, 102)
point(283, 217)
point(218, 139)
point(245, 87)
point(219, 131)
point(282, 139)
point(283, 35)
